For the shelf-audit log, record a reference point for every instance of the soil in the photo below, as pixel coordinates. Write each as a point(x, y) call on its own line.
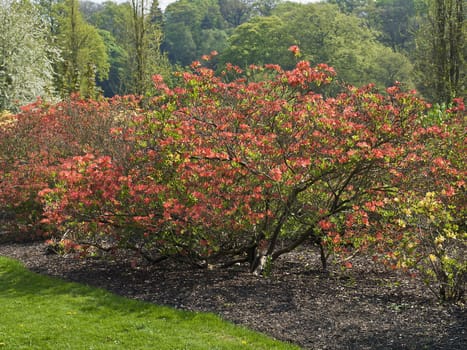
point(365, 307)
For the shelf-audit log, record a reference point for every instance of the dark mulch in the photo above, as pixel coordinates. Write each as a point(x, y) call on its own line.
point(363, 308)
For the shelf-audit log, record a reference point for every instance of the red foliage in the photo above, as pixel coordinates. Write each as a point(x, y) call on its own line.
point(34, 149)
point(218, 164)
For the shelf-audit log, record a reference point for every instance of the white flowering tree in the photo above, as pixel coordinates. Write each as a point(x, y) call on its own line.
point(26, 58)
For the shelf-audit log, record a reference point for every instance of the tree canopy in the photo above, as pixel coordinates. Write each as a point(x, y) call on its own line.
point(83, 51)
point(114, 48)
point(26, 59)
point(324, 35)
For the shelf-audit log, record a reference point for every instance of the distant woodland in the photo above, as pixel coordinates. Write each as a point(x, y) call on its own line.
point(58, 47)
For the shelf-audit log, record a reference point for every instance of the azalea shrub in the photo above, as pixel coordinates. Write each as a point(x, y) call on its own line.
point(429, 217)
point(224, 163)
point(35, 143)
point(245, 166)
point(433, 242)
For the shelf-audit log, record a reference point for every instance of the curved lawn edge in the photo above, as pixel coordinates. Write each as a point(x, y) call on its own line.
point(41, 312)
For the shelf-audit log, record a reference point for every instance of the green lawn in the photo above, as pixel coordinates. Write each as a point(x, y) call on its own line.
point(38, 312)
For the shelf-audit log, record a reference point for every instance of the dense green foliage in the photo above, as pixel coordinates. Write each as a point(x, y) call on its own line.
point(26, 61)
point(193, 28)
point(441, 53)
point(329, 36)
point(114, 48)
point(84, 55)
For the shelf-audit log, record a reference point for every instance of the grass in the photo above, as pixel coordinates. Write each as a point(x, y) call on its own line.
point(39, 312)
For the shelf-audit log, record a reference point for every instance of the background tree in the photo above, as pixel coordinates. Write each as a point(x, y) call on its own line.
point(49, 13)
point(113, 20)
point(192, 29)
point(118, 81)
point(261, 40)
point(156, 14)
point(346, 43)
point(235, 12)
point(145, 37)
point(26, 59)
point(140, 39)
point(132, 33)
point(396, 21)
point(88, 8)
point(264, 7)
point(441, 51)
point(351, 6)
point(324, 34)
point(179, 44)
point(84, 54)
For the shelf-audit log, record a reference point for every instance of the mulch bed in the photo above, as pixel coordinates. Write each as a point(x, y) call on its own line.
point(361, 308)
